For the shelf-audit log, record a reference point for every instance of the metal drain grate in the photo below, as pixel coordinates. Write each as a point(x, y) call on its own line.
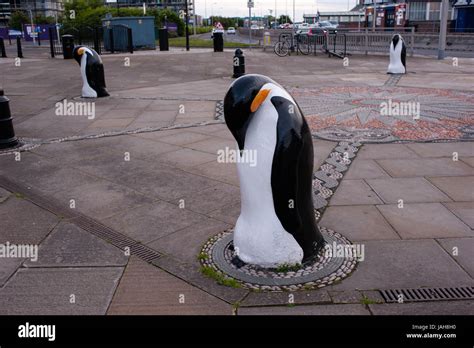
point(428, 294)
point(86, 223)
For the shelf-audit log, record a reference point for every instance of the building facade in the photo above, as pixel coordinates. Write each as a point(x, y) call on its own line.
point(346, 20)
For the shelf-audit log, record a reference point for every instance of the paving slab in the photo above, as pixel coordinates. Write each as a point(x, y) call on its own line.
point(461, 250)
point(385, 151)
point(8, 266)
point(424, 220)
point(345, 297)
point(149, 222)
point(212, 145)
point(424, 308)
point(4, 194)
point(404, 264)
point(358, 222)
point(146, 289)
point(17, 229)
point(468, 160)
point(335, 309)
point(354, 192)
point(365, 169)
point(257, 299)
point(425, 167)
point(71, 246)
point(228, 214)
point(321, 150)
point(47, 291)
point(463, 149)
point(185, 158)
point(184, 137)
point(224, 172)
point(460, 189)
point(464, 211)
point(410, 190)
point(213, 198)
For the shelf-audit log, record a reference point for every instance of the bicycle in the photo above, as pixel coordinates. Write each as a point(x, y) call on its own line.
point(286, 44)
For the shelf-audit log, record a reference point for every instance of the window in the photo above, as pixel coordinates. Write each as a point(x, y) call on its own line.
point(435, 11)
point(417, 11)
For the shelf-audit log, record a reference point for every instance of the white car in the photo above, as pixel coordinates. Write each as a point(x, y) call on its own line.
point(254, 27)
point(230, 31)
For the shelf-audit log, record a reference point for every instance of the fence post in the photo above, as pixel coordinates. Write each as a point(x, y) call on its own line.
point(39, 39)
point(51, 42)
point(111, 39)
point(412, 42)
point(18, 47)
point(2, 48)
point(130, 40)
point(366, 41)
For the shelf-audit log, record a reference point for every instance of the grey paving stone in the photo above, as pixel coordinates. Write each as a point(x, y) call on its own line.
point(146, 289)
point(354, 192)
point(70, 246)
point(424, 308)
point(4, 194)
point(410, 190)
point(8, 266)
point(344, 297)
point(224, 172)
point(256, 299)
point(213, 198)
point(464, 211)
point(24, 222)
point(365, 169)
point(102, 199)
point(424, 220)
point(212, 145)
point(404, 264)
point(358, 222)
point(228, 214)
point(460, 189)
point(186, 244)
point(425, 167)
point(321, 149)
point(47, 291)
point(468, 160)
point(183, 138)
point(463, 149)
point(336, 309)
point(461, 250)
point(185, 158)
point(385, 151)
point(373, 296)
point(152, 221)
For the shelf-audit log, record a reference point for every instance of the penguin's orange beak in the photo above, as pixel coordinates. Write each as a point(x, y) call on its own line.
point(259, 99)
point(81, 51)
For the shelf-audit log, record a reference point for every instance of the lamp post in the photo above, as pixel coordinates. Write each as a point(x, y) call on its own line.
point(187, 26)
point(443, 29)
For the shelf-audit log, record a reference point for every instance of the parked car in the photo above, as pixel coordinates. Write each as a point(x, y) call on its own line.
point(285, 26)
point(335, 24)
point(230, 31)
point(327, 25)
point(254, 27)
point(14, 33)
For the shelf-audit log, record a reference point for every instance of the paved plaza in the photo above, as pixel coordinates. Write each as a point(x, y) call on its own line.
point(122, 202)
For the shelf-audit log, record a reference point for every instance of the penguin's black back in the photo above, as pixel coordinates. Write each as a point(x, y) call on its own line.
point(292, 177)
point(95, 74)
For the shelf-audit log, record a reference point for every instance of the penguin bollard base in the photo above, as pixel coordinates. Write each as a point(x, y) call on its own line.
point(277, 224)
point(398, 56)
point(7, 133)
point(92, 71)
point(239, 64)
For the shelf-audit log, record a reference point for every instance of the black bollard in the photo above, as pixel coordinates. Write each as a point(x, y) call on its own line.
point(163, 37)
point(68, 46)
point(18, 47)
point(239, 63)
point(2, 48)
point(218, 42)
point(7, 134)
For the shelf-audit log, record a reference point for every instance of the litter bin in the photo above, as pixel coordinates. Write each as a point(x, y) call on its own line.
point(68, 46)
point(218, 42)
point(163, 37)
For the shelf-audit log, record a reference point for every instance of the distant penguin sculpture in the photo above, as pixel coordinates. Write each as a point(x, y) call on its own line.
point(92, 71)
point(398, 55)
point(277, 224)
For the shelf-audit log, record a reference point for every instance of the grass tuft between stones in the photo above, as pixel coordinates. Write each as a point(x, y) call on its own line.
point(219, 277)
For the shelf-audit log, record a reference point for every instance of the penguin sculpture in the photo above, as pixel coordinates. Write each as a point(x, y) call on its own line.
point(398, 55)
point(92, 71)
point(277, 224)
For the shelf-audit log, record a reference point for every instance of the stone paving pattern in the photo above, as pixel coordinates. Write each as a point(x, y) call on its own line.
point(405, 247)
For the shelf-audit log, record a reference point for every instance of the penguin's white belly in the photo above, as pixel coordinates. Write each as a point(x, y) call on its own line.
point(396, 66)
point(87, 91)
point(259, 236)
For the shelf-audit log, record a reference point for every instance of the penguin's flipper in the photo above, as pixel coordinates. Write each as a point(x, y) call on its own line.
point(404, 56)
point(292, 173)
point(96, 78)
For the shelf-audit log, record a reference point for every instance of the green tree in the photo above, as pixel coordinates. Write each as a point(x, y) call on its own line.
point(17, 19)
point(284, 19)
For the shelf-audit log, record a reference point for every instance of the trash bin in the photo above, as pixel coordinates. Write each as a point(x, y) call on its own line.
point(163, 37)
point(68, 46)
point(218, 42)
point(7, 134)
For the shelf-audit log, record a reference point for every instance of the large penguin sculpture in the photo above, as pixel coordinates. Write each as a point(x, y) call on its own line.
point(277, 223)
point(92, 71)
point(398, 55)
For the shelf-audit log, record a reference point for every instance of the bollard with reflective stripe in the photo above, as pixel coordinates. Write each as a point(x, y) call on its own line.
point(7, 133)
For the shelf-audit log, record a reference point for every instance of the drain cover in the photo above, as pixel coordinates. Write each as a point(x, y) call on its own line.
point(428, 294)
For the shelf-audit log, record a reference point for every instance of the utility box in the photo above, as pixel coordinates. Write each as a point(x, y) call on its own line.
point(143, 32)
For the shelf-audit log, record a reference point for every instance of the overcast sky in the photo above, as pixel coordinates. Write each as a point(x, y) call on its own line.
point(231, 8)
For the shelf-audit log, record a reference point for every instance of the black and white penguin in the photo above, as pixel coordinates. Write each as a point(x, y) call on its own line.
point(398, 56)
point(277, 223)
point(92, 71)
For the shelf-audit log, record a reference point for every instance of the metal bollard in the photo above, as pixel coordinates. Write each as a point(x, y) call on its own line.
point(2, 48)
point(266, 40)
point(7, 134)
point(239, 63)
point(18, 47)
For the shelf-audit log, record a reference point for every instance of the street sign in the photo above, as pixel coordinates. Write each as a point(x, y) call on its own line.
point(251, 4)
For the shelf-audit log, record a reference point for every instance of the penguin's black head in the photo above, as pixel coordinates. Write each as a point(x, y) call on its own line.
point(79, 51)
point(395, 40)
point(241, 102)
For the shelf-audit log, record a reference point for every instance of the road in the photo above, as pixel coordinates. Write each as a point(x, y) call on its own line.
point(229, 38)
